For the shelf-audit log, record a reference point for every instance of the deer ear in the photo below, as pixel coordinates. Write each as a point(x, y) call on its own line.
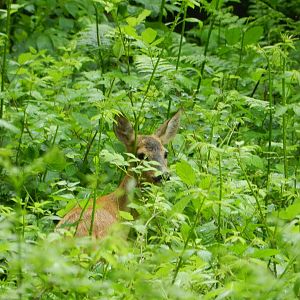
point(124, 132)
point(167, 131)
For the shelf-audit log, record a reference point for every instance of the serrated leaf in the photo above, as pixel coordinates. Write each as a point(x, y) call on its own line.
point(149, 35)
point(252, 35)
point(24, 57)
point(186, 172)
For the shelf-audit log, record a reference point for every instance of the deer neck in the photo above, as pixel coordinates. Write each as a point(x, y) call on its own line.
point(125, 188)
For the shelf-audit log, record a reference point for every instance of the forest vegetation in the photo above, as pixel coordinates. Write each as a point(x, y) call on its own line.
point(226, 225)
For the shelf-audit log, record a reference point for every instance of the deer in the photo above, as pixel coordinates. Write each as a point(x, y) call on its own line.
point(107, 208)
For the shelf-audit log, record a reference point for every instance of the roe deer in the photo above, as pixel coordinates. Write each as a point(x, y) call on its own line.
point(146, 147)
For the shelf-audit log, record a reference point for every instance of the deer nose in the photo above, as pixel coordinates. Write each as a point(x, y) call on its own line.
point(159, 178)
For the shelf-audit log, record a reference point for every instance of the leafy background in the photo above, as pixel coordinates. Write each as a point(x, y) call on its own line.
point(226, 226)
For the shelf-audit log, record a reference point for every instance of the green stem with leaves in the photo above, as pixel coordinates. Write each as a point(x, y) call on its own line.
point(270, 87)
point(220, 195)
point(4, 55)
point(181, 36)
point(284, 116)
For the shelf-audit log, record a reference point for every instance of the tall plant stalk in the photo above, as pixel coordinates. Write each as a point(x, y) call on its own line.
point(161, 10)
point(220, 195)
point(98, 38)
point(206, 47)
point(270, 88)
point(181, 36)
point(4, 54)
point(284, 117)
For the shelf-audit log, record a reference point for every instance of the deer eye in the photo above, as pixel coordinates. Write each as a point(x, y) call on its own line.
point(141, 156)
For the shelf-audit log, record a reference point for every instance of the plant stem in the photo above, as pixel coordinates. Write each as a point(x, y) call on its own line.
point(262, 216)
point(4, 55)
point(270, 79)
point(206, 47)
point(181, 36)
point(240, 58)
point(98, 38)
point(161, 10)
point(180, 259)
point(284, 117)
point(88, 147)
point(220, 195)
point(97, 167)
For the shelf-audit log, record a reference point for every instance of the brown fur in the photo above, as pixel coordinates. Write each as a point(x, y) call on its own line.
point(108, 206)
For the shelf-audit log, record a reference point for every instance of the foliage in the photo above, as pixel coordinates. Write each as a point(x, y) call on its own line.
point(226, 226)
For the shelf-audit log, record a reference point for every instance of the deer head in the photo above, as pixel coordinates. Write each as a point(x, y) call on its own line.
point(149, 147)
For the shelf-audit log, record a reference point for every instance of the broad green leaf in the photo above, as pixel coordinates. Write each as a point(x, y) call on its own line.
point(131, 31)
point(252, 35)
point(118, 49)
point(44, 42)
point(297, 288)
point(126, 215)
point(296, 108)
point(82, 120)
point(149, 35)
point(9, 126)
point(186, 172)
point(113, 158)
point(233, 35)
point(24, 57)
point(131, 21)
point(143, 15)
point(180, 205)
point(291, 211)
point(264, 253)
point(55, 160)
point(280, 111)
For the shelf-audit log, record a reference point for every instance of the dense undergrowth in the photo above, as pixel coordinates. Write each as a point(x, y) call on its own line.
point(226, 226)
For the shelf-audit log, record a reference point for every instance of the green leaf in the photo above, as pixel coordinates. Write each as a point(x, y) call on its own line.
point(126, 215)
point(55, 160)
point(180, 205)
point(233, 35)
point(143, 15)
point(118, 49)
point(44, 42)
point(297, 288)
point(149, 35)
point(24, 57)
point(264, 253)
point(280, 111)
point(130, 31)
point(252, 35)
point(186, 172)
point(290, 212)
point(6, 125)
point(131, 21)
point(296, 108)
